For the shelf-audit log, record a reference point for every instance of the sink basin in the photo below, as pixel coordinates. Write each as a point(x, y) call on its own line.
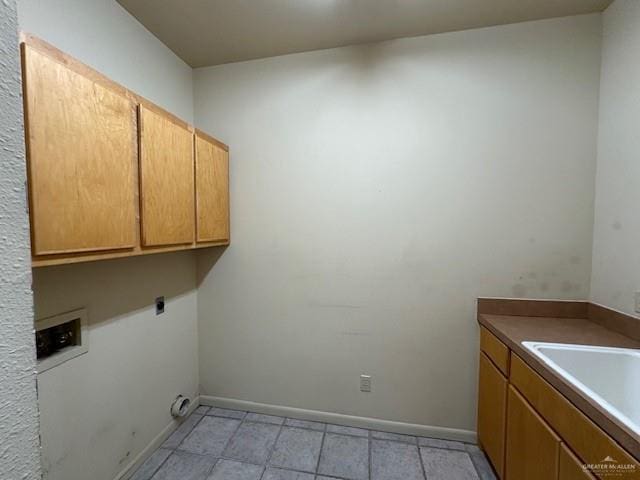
point(609, 376)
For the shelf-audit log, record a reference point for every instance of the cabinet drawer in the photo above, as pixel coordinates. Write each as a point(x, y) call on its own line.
point(583, 436)
point(570, 467)
point(495, 350)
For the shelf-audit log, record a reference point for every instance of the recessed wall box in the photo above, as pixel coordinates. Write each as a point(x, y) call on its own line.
point(61, 338)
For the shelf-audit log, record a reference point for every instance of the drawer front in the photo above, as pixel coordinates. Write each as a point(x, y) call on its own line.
point(497, 351)
point(570, 467)
point(492, 412)
point(583, 436)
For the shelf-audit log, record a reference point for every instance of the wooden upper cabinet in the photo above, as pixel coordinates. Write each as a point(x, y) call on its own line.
point(492, 412)
point(212, 189)
point(166, 180)
point(110, 174)
point(81, 144)
point(533, 449)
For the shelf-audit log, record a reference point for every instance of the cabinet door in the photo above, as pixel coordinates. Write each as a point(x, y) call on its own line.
point(492, 411)
point(584, 437)
point(212, 191)
point(81, 145)
point(166, 180)
point(570, 467)
point(532, 447)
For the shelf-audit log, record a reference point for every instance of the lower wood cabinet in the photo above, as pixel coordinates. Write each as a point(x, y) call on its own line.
point(589, 442)
point(533, 449)
point(492, 412)
point(531, 431)
point(570, 467)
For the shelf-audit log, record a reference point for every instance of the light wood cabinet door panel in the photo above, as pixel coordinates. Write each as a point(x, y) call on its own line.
point(166, 181)
point(570, 467)
point(212, 191)
point(81, 144)
point(532, 448)
point(492, 412)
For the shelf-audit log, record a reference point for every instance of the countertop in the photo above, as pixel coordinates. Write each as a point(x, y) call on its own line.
point(513, 330)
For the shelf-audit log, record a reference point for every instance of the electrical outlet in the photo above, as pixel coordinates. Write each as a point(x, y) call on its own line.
point(638, 302)
point(159, 305)
point(365, 383)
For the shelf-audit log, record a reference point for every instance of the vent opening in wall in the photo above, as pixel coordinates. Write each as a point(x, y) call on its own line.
point(61, 338)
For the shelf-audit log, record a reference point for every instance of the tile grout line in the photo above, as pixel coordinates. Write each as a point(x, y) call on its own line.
point(474, 462)
point(188, 433)
point(212, 467)
point(262, 465)
point(424, 470)
point(273, 447)
point(307, 428)
point(172, 450)
point(240, 423)
point(158, 468)
point(326, 425)
point(324, 434)
point(369, 446)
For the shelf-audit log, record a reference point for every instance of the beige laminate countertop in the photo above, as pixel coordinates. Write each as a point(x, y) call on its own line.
point(513, 330)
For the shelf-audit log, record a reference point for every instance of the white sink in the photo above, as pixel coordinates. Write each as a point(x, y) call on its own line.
point(610, 376)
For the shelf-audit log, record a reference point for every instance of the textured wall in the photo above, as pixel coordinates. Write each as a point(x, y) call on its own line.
point(376, 192)
point(616, 237)
point(19, 444)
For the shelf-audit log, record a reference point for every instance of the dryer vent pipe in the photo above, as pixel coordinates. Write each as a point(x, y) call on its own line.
point(180, 406)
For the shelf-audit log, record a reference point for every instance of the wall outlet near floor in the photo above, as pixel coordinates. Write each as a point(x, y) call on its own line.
point(365, 383)
point(638, 302)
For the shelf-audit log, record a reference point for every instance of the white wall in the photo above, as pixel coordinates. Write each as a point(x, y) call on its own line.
point(106, 37)
point(376, 192)
point(616, 245)
point(19, 445)
point(100, 410)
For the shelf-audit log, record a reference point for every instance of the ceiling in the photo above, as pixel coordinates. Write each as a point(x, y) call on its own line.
point(211, 32)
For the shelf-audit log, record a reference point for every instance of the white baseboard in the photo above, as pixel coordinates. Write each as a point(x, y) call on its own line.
point(339, 419)
point(166, 432)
